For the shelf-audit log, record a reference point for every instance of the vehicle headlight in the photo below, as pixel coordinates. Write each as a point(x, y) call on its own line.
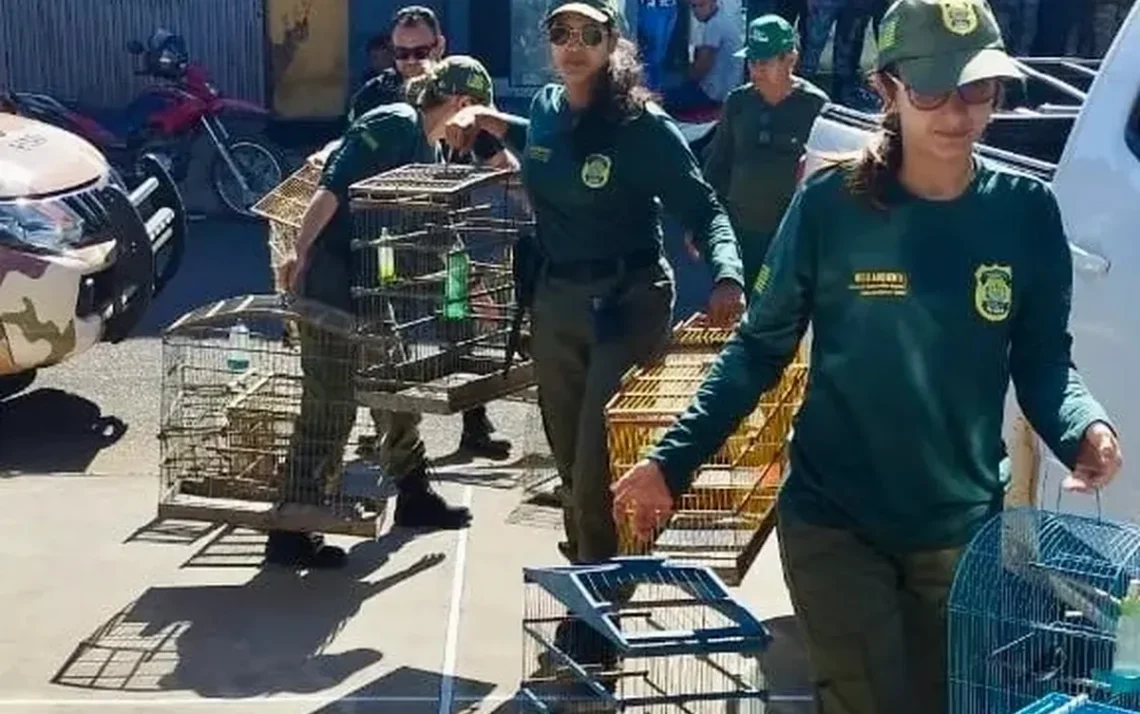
point(44, 225)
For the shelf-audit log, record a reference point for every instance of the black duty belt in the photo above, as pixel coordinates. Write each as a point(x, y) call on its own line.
point(587, 270)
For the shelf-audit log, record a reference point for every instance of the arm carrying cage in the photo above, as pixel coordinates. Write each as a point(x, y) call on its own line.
point(258, 430)
point(433, 246)
point(723, 520)
point(1033, 610)
point(683, 643)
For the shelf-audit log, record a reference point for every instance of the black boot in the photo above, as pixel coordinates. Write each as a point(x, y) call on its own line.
point(476, 439)
point(302, 550)
point(418, 506)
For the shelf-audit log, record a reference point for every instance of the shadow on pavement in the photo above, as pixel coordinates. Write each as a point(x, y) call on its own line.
point(233, 641)
point(408, 690)
point(52, 431)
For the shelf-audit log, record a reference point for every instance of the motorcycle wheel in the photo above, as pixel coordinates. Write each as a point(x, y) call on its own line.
point(261, 167)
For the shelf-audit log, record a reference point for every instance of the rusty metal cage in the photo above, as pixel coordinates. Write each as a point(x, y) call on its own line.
point(433, 249)
point(725, 518)
point(284, 206)
point(257, 431)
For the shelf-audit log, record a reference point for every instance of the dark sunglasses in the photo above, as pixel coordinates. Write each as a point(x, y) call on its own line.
point(591, 34)
point(413, 53)
point(982, 91)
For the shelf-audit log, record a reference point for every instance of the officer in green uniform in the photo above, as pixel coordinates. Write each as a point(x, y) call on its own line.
point(930, 278)
point(384, 138)
point(760, 138)
point(598, 162)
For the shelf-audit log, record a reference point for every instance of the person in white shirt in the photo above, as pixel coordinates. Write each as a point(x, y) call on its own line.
point(715, 71)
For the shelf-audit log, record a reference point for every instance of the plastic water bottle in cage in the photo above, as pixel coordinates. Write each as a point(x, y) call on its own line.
point(386, 258)
point(237, 357)
point(456, 304)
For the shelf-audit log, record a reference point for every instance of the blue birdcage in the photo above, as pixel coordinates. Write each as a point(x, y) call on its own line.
point(639, 635)
point(1057, 703)
point(1033, 611)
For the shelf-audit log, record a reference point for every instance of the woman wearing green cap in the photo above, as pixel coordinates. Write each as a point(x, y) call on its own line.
point(599, 159)
point(382, 139)
point(930, 278)
point(760, 138)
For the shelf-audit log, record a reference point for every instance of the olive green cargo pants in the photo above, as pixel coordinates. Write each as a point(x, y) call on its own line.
point(328, 413)
point(577, 374)
point(874, 623)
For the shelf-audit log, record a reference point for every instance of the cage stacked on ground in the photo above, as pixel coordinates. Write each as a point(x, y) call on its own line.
point(725, 518)
point(1046, 603)
point(259, 428)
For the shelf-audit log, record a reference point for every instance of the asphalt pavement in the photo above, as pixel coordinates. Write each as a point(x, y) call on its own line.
point(104, 607)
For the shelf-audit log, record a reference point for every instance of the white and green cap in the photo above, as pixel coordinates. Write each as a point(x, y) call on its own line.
point(939, 45)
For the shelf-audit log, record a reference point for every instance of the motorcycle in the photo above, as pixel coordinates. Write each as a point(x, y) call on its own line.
point(167, 118)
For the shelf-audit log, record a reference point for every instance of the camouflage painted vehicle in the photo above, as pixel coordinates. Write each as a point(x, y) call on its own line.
point(81, 254)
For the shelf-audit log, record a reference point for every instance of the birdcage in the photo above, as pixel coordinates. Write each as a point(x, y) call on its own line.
point(433, 248)
point(723, 520)
point(1058, 703)
point(639, 635)
point(1034, 610)
point(258, 431)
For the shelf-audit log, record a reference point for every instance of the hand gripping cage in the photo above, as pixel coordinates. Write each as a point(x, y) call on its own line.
point(639, 635)
point(1034, 611)
point(258, 430)
point(726, 516)
point(433, 248)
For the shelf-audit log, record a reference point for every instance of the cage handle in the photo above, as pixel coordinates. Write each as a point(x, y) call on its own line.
point(1061, 493)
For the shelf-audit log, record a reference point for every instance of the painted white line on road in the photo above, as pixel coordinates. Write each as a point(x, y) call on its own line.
point(451, 644)
point(283, 699)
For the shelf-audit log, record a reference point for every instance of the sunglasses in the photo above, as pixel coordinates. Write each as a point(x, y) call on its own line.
point(413, 53)
point(591, 34)
point(982, 91)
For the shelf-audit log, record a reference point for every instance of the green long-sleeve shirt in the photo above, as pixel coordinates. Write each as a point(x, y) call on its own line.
point(919, 318)
point(753, 155)
point(597, 191)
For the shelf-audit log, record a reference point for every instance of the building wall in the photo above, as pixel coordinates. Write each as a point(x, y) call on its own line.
point(76, 49)
point(308, 57)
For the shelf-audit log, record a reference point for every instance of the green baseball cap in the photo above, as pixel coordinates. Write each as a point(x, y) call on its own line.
point(768, 36)
point(939, 45)
point(460, 74)
point(597, 10)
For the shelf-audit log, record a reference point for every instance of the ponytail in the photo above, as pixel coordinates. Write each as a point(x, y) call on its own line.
point(871, 173)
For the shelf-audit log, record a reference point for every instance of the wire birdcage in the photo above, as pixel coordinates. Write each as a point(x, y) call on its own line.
point(639, 635)
point(1058, 703)
point(284, 206)
point(1033, 610)
point(433, 253)
point(258, 431)
point(727, 515)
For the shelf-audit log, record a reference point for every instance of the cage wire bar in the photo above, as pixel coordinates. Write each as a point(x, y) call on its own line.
point(727, 515)
point(257, 431)
point(1058, 703)
point(639, 635)
point(1033, 610)
point(433, 249)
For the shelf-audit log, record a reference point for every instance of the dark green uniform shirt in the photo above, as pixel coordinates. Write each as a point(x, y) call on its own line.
point(753, 156)
point(597, 192)
point(919, 319)
point(382, 139)
point(387, 87)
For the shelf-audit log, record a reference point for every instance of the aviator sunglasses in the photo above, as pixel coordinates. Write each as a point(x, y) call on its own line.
point(591, 34)
point(982, 91)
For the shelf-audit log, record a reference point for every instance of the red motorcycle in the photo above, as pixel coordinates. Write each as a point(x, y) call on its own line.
point(166, 120)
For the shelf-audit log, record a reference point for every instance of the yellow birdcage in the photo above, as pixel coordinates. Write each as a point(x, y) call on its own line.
point(284, 206)
point(725, 517)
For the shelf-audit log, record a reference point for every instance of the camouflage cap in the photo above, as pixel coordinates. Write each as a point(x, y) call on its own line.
point(597, 10)
point(460, 74)
point(768, 36)
point(938, 45)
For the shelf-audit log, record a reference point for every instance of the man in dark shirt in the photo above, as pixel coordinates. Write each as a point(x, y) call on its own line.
point(416, 41)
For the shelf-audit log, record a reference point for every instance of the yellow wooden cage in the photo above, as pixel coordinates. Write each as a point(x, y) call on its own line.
point(725, 518)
